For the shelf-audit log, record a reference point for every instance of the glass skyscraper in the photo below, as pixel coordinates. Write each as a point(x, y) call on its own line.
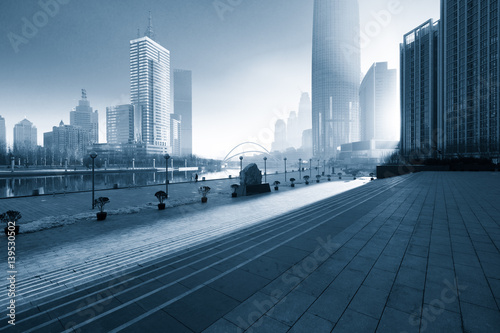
point(183, 106)
point(335, 75)
point(150, 91)
point(470, 74)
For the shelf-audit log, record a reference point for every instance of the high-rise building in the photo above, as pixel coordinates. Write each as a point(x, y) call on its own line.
point(280, 143)
point(3, 136)
point(378, 104)
point(305, 113)
point(293, 133)
point(120, 124)
point(83, 116)
point(419, 91)
point(470, 75)
point(335, 75)
point(67, 141)
point(150, 91)
point(183, 106)
point(25, 136)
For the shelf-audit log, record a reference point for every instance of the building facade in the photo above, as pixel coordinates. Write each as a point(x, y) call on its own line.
point(379, 104)
point(150, 91)
point(183, 106)
point(280, 143)
point(335, 75)
point(470, 78)
point(120, 124)
point(83, 116)
point(25, 136)
point(67, 141)
point(419, 91)
point(3, 136)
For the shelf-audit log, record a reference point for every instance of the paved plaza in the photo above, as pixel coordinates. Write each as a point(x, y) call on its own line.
point(417, 253)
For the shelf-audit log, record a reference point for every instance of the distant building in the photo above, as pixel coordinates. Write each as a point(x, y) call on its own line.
point(470, 117)
point(25, 136)
point(176, 134)
point(3, 136)
point(378, 103)
point(183, 106)
point(305, 113)
point(120, 124)
point(280, 142)
point(67, 141)
point(293, 132)
point(419, 91)
point(150, 91)
point(370, 152)
point(335, 75)
point(307, 142)
point(83, 116)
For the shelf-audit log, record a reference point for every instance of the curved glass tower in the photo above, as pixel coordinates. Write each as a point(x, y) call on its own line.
point(335, 75)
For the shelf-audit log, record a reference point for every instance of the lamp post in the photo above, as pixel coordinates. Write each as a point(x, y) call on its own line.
point(285, 167)
point(310, 167)
point(241, 164)
point(265, 169)
point(318, 167)
point(93, 155)
point(324, 167)
point(166, 156)
point(300, 168)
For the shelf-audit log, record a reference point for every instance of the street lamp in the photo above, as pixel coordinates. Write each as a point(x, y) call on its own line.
point(318, 167)
point(265, 169)
point(241, 164)
point(324, 167)
point(93, 155)
point(310, 167)
point(300, 168)
point(166, 156)
point(285, 167)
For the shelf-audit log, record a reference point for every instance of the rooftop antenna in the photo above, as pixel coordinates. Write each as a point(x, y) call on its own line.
point(84, 94)
point(149, 31)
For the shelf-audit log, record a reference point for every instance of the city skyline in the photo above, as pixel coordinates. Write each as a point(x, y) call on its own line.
point(57, 62)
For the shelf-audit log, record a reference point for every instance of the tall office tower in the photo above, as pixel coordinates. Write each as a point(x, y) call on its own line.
point(305, 113)
point(293, 132)
point(378, 104)
point(279, 143)
point(183, 106)
point(120, 124)
point(335, 75)
point(419, 91)
point(3, 136)
point(25, 136)
point(150, 91)
point(86, 118)
point(67, 141)
point(470, 75)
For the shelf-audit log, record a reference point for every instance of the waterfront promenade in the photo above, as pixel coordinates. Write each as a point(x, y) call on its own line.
point(417, 253)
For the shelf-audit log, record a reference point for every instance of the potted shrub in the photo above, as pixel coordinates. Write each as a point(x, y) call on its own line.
point(372, 175)
point(276, 183)
point(203, 190)
point(354, 174)
point(329, 177)
point(161, 196)
point(292, 180)
point(306, 178)
point(100, 202)
point(11, 217)
point(317, 178)
point(235, 188)
point(340, 175)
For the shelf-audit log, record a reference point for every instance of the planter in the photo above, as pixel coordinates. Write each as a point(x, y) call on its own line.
point(293, 185)
point(307, 183)
point(317, 181)
point(204, 200)
point(101, 216)
point(276, 188)
point(161, 206)
point(329, 179)
point(234, 195)
point(16, 230)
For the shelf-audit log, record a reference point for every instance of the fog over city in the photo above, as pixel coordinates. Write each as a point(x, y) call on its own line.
point(250, 59)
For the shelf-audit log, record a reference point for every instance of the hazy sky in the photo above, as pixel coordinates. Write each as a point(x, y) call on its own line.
point(251, 59)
